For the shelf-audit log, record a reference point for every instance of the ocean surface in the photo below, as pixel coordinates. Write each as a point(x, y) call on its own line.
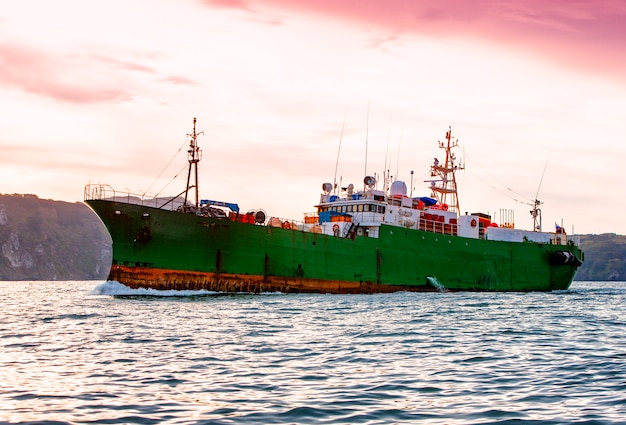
point(77, 352)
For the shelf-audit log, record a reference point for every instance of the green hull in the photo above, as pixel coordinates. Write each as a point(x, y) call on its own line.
point(155, 248)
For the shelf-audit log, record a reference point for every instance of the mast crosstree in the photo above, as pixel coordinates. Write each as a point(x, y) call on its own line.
point(443, 187)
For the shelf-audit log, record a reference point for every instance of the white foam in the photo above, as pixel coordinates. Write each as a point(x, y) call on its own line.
point(114, 288)
point(433, 281)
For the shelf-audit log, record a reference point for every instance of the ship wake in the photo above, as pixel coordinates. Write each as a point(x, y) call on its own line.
point(116, 289)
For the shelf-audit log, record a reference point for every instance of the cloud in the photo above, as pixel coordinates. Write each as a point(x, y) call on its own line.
point(253, 13)
point(228, 4)
point(71, 79)
point(123, 64)
point(580, 34)
point(177, 79)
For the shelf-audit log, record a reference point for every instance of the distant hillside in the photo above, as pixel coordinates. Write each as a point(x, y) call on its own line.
point(51, 240)
point(605, 257)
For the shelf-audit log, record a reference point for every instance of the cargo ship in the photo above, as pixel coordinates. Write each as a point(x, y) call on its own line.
point(366, 240)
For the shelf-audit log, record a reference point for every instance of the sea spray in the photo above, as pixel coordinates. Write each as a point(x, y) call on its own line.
point(114, 288)
point(434, 282)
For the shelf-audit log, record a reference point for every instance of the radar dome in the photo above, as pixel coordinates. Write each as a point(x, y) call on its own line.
point(398, 188)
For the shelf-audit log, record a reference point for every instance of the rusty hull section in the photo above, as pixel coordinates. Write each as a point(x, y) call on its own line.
point(163, 279)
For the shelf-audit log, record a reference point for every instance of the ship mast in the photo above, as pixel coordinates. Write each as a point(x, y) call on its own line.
point(194, 156)
point(444, 186)
point(536, 215)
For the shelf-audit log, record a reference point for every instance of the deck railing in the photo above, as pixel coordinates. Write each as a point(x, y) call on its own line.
point(99, 191)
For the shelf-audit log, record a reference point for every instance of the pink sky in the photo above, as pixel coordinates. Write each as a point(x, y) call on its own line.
point(582, 34)
point(105, 92)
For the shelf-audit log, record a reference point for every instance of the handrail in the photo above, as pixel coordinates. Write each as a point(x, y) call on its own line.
point(100, 191)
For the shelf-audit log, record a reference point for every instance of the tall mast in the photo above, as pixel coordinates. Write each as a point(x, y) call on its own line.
point(194, 156)
point(367, 129)
point(536, 215)
point(444, 186)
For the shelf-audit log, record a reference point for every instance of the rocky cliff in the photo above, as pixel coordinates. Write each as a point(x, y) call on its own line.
point(51, 240)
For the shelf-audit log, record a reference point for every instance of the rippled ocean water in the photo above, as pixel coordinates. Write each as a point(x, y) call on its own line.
point(72, 352)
